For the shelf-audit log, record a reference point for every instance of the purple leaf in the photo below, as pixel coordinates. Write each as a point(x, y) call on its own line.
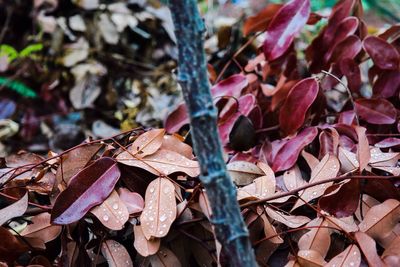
point(387, 84)
point(176, 119)
point(376, 111)
point(231, 86)
point(383, 54)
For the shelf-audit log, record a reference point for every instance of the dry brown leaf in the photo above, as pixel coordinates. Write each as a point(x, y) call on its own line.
point(205, 204)
point(368, 248)
point(367, 203)
point(112, 213)
point(147, 143)
point(380, 159)
point(293, 179)
point(391, 255)
point(116, 254)
point(363, 153)
point(288, 220)
point(270, 231)
point(348, 160)
point(265, 185)
point(160, 208)
point(380, 221)
point(243, 172)
point(318, 239)
point(143, 246)
point(310, 258)
point(310, 159)
point(327, 168)
point(175, 143)
point(41, 228)
point(16, 209)
point(351, 256)
point(162, 162)
point(132, 200)
point(346, 223)
point(164, 257)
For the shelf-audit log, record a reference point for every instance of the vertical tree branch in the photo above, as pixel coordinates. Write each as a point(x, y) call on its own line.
point(192, 75)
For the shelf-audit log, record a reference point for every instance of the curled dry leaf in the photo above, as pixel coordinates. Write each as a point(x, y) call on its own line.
point(317, 239)
point(380, 159)
point(363, 154)
point(351, 256)
point(162, 162)
point(348, 160)
point(243, 172)
point(293, 179)
point(288, 220)
point(86, 189)
point(112, 213)
point(205, 204)
point(132, 200)
point(175, 143)
point(164, 257)
point(147, 143)
point(391, 255)
point(380, 221)
point(41, 228)
point(143, 246)
point(11, 246)
point(160, 208)
point(327, 168)
point(368, 248)
point(310, 258)
point(116, 254)
point(310, 159)
point(270, 231)
point(16, 209)
point(366, 204)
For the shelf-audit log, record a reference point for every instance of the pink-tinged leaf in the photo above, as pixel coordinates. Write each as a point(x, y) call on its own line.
point(231, 86)
point(387, 84)
point(147, 143)
point(88, 188)
point(246, 104)
point(391, 255)
point(376, 111)
point(175, 143)
point(329, 142)
point(260, 21)
point(326, 169)
point(41, 228)
point(347, 117)
point(283, 28)
point(348, 48)
point(312, 161)
point(351, 256)
point(348, 160)
point(380, 159)
point(242, 172)
point(345, 28)
point(363, 153)
point(288, 154)
point(343, 201)
point(143, 246)
point(351, 70)
point(266, 184)
point(368, 248)
point(318, 239)
point(270, 231)
point(204, 204)
point(160, 208)
point(288, 220)
point(16, 209)
point(310, 258)
point(11, 247)
point(298, 101)
point(112, 213)
point(116, 254)
point(293, 178)
point(162, 162)
point(380, 221)
point(176, 119)
point(383, 54)
point(132, 200)
point(164, 257)
point(388, 142)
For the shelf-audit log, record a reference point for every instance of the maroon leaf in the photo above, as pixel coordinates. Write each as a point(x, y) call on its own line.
point(376, 111)
point(285, 25)
point(176, 119)
point(383, 54)
point(231, 86)
point(10, 246)
point(299, 100)
point(387, 84)
point(260, 21)
point(86, 189)
point(287, 156)
point(342, 202)
point(351, 70)
point(348, 48)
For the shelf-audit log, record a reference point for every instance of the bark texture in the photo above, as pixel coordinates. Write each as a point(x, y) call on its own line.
point(229, 226)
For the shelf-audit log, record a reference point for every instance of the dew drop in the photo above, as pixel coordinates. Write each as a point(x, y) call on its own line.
point(115, 206)
point(166, 190)
point(163, 217)
point(161, 232)
point(355, 253)
point(106, 218)
point(151, 218)
point(314, 193)
point(351, 263)
point(151, 189)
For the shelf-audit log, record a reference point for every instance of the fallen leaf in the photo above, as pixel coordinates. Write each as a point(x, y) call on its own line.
point(310, 258)
point(243, 172)
point(164, 257)
point(147, 143)
point(10, 246)
point(348, 160)
point(351, 256)
point(288, 220)
point(175, 143)
point(317, 239)
point(293, 178)
point(116, 254)
point(133, 201)
point(160, 208)
point(391, 255)
point(16, 209)
point(143, 246)
point(363, 153)
point(368, 248)
point(41, 228)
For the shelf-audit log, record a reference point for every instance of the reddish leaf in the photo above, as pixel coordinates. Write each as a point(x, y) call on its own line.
point(132, 200)
point(143, 246)
point(41, 228)
point(175, 143)
point(348, 48)
point(363, 153)
point(383, 54)
point(287, 155)
point(376, 111)
point(10, 246)
point(318, 238)
point(391, 255)
point(86, 189)
point(350, 257)
point(176, 119)
point(343, 201)
point(387, 84)
point(298, 101)
point(329, 142)
point(231, 86)
point(351, 70)
point(116, 254)
point(147, 143)
point(285, 25)
point(368, 248)
point(260, 21)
